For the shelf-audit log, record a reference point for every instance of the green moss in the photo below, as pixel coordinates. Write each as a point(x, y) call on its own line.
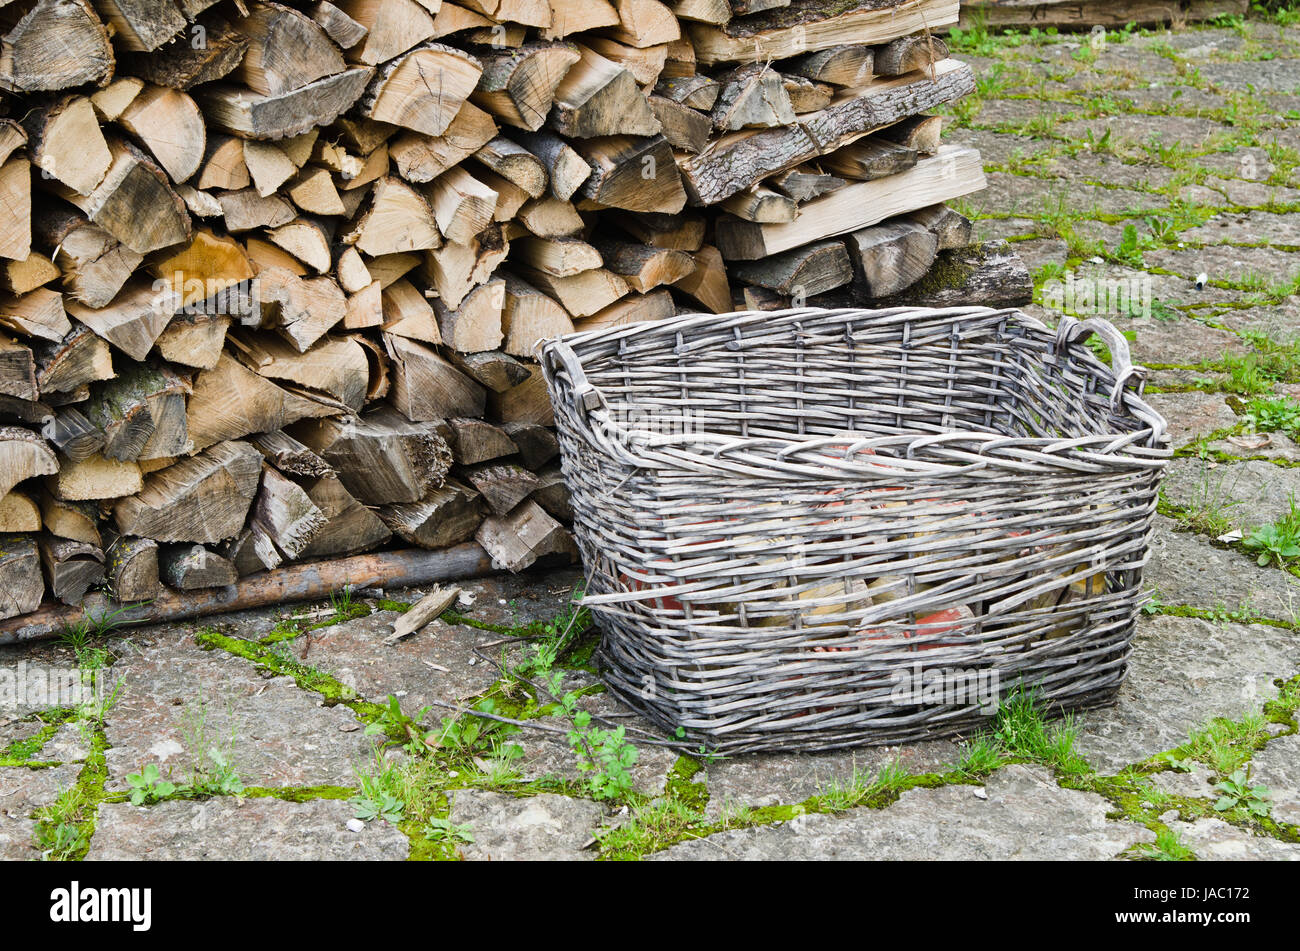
point(21, 752)
point(65, 828)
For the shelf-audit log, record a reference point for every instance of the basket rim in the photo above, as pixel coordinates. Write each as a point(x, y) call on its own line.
point(905, 455)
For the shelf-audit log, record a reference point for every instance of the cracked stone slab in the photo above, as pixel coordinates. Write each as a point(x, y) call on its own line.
point(1216, 840)
point(1277, 766)
point(1279, 447)
point(1192, 415)
point(536, 828)
point(22, 792)
point(18, 731)
point(1251, 227)
point(769, 779)
point(1196, 783)
point(435, 663)
point(1186, 569)
point(1030, 196)
point(277, 734)
point(1246, 494)
point(1183, 672)
point(1025, 816)
point(1276, 75)
point(1141, 129)
point(997, 148)
point(256, 830)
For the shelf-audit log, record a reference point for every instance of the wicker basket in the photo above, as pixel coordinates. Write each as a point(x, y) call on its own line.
point(822, 528)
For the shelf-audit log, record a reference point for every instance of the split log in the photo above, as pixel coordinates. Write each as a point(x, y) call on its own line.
point(597, 97)
point(110, 101)
point(801, 273)
point(17, 370)
point(462, 205)
point(645, 267)
point(537, 445)
point(447, 514)
point(336, 366)
point(517, 539)
point(133, 320)
point(71, 568)
point(392, 27)
point(684, 232)
point(37, 314)
point(194, 340)
point(201, 499)
point(708, 282)
point(21, 276)
point(289, 455)
point(400, 92)
point(285, 514)
point(78, 521)
point(79, 358)
point(230, 401)
point(683, 127)
point(657, 305)
point(302, 311)
point(525, 402)
point(135, 202)
point(407, 313)
point(806, 95)
point(73, 435)
point(949, 228)
point(516, 164)
point(169, 124)
point(553, 494)
point(15, 209)
point(892, 256)
point(496, 371)
point(988, 275)
point(142, 25)
point(518, 86)
point(838, 65)
point(94, 479)
point(919, 132)
point(644, 23)
point(94, 264)
point(131, 566)
point(561, 257)
point(502, 486)
point(380, 457)
point(192, 567)
point(22, 586)
point(804, 183)
point(397, 219)
point(202, 269)
point(636, 174)
point(567, 169)
point(869, 159)
point(476, 440)
point(582, 294)
point(422, 158)
point(806, 28)
point(576, 16)
point(551, 218)
point(910, 52)
point(698, 92)
point(187, 61)
point(475, 324)
point(248, 115)
point(18, 513)
point(953, 172)
point(65, 142)
point(456, 269)
point(751, 97)
point(23, 455)
point(268, 166)
point(340, 27)
point(349, 526)
point(530, 316)
point(58, 44)
point(762, 205)
point(426, 386)
point(286, 50)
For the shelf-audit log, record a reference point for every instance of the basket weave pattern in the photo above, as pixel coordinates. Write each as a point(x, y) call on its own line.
point(783, 516)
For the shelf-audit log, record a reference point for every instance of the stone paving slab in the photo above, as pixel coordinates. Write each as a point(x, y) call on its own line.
point(1183, 672)
point(1192, 415)
point(1217, 841)
point(1246, 494)
point(769, 779)
point(257, 830)
point(276, 734)
point(537, 828)
point(1277, 766)
point(22, 792)
point(1025, 816)
point(436, 663)
point(1186, 568)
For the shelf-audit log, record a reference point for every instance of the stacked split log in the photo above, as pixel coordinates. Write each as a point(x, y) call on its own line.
point(274, 274)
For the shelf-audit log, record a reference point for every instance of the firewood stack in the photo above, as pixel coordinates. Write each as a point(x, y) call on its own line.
point(273, 274)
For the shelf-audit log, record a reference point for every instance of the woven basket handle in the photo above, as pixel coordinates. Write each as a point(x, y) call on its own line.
point(586, 397)
point(1071, 330)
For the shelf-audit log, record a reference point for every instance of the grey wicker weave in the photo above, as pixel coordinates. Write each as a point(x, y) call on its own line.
point(812, 529)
